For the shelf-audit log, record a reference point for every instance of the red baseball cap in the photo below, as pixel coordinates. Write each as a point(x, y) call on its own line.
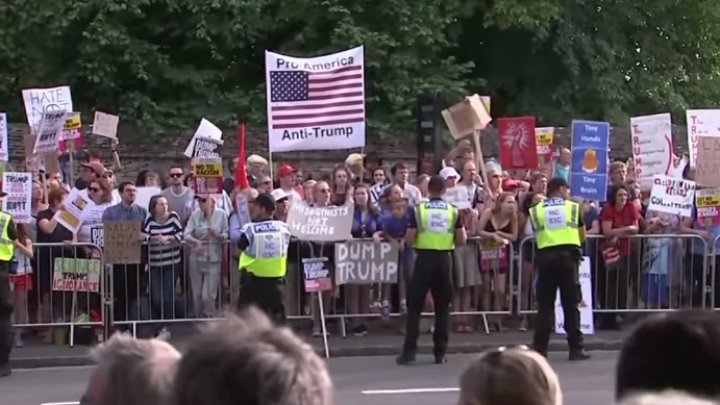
point(286, 169)
point(509, 183)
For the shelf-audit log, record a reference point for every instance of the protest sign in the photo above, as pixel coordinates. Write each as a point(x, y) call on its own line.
point(652, 145)
point(518, 147)
point(72, 127)
point(97, 236)
point(72, 215)
point(672, 196)
point(316, 273)
point(39, 101)
point(49, 131)
point(707, 202)
point(144, 194)
point(544, 138)
point(81, 275)
point(587, 323)
point(207, 131)
point(366, 262)
point(206, 147)
point(459, 197)
point(588, 171)
point(315, 103)
point(4, 156)
point(320, 224)
point(707, 161)
point(18, 187)
point(466, 116)
point(701, 123)
point(124, 245)
point(207, 175)
point(105, 125)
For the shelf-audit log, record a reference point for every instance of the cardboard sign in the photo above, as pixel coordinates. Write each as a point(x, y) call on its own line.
point(707, 169)
point(466, 116)
point(208, 175)
point(18, 187)
point(587, 324)
point(366, 262)
point(105, 125)
point(672, 196)
point(49, 131)
point(206, 130)
point(71, 274)
point(124, 245)
point(701, 123)
point(316, 273)
point(320, 224)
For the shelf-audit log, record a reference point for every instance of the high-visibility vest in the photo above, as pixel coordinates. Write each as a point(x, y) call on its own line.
point(435, 225)
point(266, 255)
point(556, 222)
point(7, 247)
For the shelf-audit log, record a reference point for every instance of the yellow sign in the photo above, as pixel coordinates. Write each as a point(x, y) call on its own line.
point(208, 169)
point(72, 121)
point(708, 201)
point(544, 136)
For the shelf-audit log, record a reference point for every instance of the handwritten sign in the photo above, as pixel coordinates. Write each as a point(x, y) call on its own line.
point(672, 196)
point(207, 131)
point(105, 125)
point(316, 273)
point(39, 101)
point(18, 187)
point(466, 116)
point(366, 262)
point(701, 123)
point(49, 131)
point(123, 242)
point(587, 323)
point(652, 145)
point(71, 274)
point(707, 164)
point(707, 202)
point(320, 224)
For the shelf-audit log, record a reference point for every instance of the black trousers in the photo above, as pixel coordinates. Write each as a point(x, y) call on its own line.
point(265, 293)
point(432, 272)
point(6, 309)
point(127, 285)
point(558, 269)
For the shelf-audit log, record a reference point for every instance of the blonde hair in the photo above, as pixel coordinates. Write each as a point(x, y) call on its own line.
point(515, 376)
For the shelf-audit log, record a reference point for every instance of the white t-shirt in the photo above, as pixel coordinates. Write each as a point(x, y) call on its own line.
point(93, 219)
point(115, 195)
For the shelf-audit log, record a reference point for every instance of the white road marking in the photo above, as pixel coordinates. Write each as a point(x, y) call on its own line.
point(409, 391)
point(32, 370)
point(60, 403)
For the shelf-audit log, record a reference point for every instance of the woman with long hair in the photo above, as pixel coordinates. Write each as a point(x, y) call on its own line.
point(150, 178)
point(366, 221)
point(341, 190)
point(498, 228)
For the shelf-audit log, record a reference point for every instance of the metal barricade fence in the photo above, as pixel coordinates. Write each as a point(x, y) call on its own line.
point(58, 289)
point(639, 273)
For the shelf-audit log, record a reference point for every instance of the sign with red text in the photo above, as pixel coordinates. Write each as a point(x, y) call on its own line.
point(701, 123)
point(544, 139)
point(82, 275)
point(652, 145)
point(207, 175)
point(707, 202)
point(672, 196)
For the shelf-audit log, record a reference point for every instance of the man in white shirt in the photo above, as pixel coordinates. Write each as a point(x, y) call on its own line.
point(401, 174)
point(106, 179)
point(288, 182)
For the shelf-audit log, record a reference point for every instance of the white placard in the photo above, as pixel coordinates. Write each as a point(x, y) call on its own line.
point(206, 129)
point(37, 101)
point(652, 145)
point(587, 324)
point(105, 125)
point(49, 132)
point(74, 212)
point(144, 194)
point(17, 203)
point(458, 196)
point(4, 156)
point(701, 123)
point(672, 196)
point(315, 103)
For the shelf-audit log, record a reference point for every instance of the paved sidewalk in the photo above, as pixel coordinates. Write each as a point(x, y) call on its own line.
point(380, 342)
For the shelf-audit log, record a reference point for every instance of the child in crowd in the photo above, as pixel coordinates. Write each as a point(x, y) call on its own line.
point(21, 279)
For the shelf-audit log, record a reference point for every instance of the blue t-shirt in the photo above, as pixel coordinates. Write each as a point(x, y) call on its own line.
point(365, 227)
point(395, 227)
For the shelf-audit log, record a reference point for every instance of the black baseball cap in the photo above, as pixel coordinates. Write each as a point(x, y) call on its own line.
point(265, 201)
point(556, 183)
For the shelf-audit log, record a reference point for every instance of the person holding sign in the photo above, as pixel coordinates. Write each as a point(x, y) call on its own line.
point(435, 229)
point(264, 245)
point(559, 232)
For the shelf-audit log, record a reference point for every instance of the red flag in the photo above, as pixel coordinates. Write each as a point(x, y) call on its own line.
point(241, 178)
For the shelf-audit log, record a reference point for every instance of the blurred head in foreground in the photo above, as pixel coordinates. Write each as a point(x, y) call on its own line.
point(132, 371)
point(510, 376)
point(247, 360)
point(676, 350)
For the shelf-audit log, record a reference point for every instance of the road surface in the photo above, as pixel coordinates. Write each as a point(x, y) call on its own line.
point(358, 381)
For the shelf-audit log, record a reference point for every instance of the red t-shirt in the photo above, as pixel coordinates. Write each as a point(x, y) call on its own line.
point(626, 216)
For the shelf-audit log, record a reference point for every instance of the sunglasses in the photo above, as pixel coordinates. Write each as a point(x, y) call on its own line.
point(324, 190)
point(176, 175)
point(93, 189)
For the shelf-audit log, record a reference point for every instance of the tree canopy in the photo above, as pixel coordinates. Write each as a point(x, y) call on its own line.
point(167, 63)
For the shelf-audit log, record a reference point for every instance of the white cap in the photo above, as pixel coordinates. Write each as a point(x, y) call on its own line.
point(448, 172)
point(278, 194)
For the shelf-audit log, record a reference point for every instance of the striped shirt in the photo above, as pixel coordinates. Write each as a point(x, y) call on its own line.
point(164, 254)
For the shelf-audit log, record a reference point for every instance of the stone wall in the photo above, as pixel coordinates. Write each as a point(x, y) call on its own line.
point(141, 152)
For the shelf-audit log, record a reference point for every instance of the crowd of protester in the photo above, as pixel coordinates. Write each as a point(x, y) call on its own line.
point(668, 359)
point(189, 267)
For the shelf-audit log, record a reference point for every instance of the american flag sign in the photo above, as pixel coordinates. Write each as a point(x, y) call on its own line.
point(316, 103)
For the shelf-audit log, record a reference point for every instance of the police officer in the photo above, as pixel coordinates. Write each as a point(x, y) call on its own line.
point(7, 250)
point(435, 229)
point(263, 262)
point(559, 232)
